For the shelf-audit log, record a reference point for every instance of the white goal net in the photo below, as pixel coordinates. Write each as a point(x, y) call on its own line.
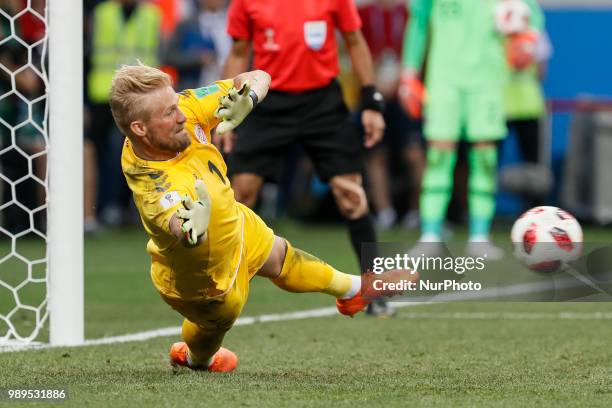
point(33, 264)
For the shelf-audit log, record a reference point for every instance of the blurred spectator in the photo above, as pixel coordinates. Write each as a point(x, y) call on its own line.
point(25, 142)
point(122, 32)
point(384, 22)
point(170, 15)
point(525, 112)
point(32, 27)
point(199, 46)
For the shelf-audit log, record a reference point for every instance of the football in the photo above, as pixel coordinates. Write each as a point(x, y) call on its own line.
point(546, 237)
point(511, 16)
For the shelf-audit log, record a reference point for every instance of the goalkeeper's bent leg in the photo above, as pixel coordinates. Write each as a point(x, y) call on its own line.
point(303, 272)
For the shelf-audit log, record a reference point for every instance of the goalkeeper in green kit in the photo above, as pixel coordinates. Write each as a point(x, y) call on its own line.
point(463, 99)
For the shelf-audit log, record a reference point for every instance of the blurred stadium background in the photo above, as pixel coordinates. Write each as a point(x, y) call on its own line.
point(508, 354)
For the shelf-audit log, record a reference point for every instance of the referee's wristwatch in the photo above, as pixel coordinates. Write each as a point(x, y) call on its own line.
point(372, 99)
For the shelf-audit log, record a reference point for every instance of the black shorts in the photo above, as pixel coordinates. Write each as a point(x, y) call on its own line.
point(317, 119)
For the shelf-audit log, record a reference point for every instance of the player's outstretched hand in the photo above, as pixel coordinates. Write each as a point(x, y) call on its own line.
point(196, 214)
point(233, 108)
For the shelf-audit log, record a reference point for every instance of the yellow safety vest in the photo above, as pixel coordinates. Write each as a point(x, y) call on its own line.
point(523, 95)
point(116, 42)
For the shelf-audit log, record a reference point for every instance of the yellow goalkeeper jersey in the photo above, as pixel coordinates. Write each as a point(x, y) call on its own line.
point(209, 269)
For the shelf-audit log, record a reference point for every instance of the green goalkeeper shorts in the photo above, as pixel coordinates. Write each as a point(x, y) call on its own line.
point(475, 114)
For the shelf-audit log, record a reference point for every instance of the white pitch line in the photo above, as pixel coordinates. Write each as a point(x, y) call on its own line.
point(496, 292)
point(241, 321)
point(175, 331)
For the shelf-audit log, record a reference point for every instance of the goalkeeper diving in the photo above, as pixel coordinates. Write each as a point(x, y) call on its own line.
point(204, 245)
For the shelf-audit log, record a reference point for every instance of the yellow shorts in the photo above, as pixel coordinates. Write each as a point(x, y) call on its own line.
point(221, 312)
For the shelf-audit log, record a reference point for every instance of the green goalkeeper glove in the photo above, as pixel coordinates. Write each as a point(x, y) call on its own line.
point(196, 214)
point(234, 107)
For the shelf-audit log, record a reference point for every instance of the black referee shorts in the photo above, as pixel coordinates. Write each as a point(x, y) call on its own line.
point(317, 119)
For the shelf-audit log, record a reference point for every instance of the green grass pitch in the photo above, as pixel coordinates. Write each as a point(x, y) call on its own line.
point(459, 354)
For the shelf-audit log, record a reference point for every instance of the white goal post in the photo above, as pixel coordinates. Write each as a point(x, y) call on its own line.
point(65, 192)
point(41, 264)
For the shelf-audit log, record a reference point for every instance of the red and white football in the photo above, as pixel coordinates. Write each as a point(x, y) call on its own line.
point(511, 16)
point(545, 237)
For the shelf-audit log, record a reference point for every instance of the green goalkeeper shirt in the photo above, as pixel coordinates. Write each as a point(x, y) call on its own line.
point(465, 49)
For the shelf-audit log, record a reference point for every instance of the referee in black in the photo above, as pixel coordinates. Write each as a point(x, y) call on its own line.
point(295, 43)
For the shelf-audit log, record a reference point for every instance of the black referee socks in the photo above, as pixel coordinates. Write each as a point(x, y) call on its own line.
point(361, 231)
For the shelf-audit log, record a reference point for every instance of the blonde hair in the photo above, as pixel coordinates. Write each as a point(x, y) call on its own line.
point(130, 86)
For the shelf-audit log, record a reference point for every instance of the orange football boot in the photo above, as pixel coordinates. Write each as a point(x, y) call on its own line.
point(368, 293)
point(223, 361)
point(351, 306)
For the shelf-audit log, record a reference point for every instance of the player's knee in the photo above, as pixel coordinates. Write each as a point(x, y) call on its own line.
point(442, 144)
point(274, 264)
point(484, 145)
point(246, 188)
point(352, 203)
point(248, 198)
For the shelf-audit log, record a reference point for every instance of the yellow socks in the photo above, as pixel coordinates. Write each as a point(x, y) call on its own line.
point(303, 272)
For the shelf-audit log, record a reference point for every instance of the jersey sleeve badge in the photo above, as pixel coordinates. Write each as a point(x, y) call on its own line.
point(200, 134)
point(170, 199)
